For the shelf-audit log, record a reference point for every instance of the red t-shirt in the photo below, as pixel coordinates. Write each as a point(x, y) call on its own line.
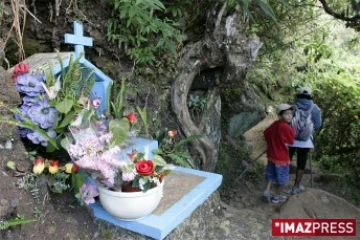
point(278, 136)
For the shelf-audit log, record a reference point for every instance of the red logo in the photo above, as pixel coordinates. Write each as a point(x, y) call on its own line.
point(314, 227)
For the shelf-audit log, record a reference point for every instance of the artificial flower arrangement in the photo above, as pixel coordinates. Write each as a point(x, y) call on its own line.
point(51, 103)
point(93, 148)
point(53, 106)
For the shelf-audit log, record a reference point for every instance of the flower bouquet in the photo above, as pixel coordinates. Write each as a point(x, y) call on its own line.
point(113, 175)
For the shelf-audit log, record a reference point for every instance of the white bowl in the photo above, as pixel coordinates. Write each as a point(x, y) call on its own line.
point(130, 206)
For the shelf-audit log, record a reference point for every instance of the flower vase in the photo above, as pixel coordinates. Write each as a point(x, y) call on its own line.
point(130, 206)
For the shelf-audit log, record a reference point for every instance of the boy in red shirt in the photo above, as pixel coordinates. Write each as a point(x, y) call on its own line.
point(278, 136)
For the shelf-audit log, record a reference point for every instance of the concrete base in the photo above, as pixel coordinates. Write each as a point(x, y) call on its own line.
point(184, 190)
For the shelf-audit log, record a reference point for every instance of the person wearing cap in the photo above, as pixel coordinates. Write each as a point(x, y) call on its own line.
point(304, 101)
point(278, 136)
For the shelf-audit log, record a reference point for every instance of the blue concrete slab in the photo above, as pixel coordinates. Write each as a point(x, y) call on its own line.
point(158, 226)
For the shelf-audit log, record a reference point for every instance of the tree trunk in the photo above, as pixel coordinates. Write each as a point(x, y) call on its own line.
point(224, 45)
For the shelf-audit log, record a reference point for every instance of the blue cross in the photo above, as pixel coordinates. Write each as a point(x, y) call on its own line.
point(78, 39)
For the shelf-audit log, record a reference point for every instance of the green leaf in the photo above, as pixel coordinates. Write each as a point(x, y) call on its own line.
point(140, 156)
point(120, 130)
point(77, 180)
point(179, 160)
point(265, 6)
point(159, 161)
point(68, 118)
point(50, 148)
point(186, 140)
point(14, 222)
point(65, 106)
point(158, 151)
point(65, 143)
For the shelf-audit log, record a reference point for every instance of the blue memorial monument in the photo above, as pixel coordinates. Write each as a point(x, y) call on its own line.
point(179, 200)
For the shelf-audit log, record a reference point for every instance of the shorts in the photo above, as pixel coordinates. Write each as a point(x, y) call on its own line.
point(277, 174)
point(302, 156)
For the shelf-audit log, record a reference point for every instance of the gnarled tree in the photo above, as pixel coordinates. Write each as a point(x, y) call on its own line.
point(225, 45)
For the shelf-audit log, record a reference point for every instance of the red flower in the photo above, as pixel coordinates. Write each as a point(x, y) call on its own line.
point(54, 166)
point(75, 168)
point(172, 133)
point(131, 117)
point(20, 69)
point(161, 177)
point(39, 166)
point(145, 167)
point(133, 155)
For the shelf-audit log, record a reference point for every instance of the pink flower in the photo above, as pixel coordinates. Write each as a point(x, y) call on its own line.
point(88, 192)
point(96, 103)
point(128, 177)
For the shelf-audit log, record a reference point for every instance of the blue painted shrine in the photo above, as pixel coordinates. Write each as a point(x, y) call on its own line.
point(179, 200)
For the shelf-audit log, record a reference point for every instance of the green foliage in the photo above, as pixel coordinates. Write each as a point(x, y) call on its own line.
point(19, 220)
point(308, 49)
point(143, 115)
point(58, 182)
point(173, 151)
point(120, 130)
point(117, 103)
point(140, 26)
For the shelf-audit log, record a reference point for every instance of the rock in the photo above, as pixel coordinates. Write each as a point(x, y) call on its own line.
point(242, 122)
point(14, 203)
point(5, 208)
point(8, 145)
point(50, 229)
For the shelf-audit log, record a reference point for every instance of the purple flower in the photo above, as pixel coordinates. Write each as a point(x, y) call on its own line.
point(30, 84)
point(23, 109)
point(29, 101)
point(88, 191)
point(24, 132)
point(37, 138)
point(42, 114)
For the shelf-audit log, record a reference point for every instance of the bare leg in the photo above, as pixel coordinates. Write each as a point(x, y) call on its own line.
point(268, 187)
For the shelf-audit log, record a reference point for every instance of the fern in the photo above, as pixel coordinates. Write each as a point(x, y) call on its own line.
point(14, 222)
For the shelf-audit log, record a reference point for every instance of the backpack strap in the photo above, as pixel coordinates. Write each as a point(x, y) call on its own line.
point(311, 108)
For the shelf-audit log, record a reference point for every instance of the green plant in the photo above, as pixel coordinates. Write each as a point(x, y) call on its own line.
point(58, 182)
point(36, 212)
point(19, 220)
point(173, 151)
point(30, 155)
point(140, 28)
point(117, 103)
point(143, 115)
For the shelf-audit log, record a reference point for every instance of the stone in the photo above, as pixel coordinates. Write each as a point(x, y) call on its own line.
point(15, 203)
point(242, 122)
point(8, 145)
point(5, 208)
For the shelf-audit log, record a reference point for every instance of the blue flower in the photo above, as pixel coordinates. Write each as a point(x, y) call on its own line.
point(23, 112)
point(42, 114)
point(30, 84)
point(37, 138)
point(29, 101)
point(24, 132)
